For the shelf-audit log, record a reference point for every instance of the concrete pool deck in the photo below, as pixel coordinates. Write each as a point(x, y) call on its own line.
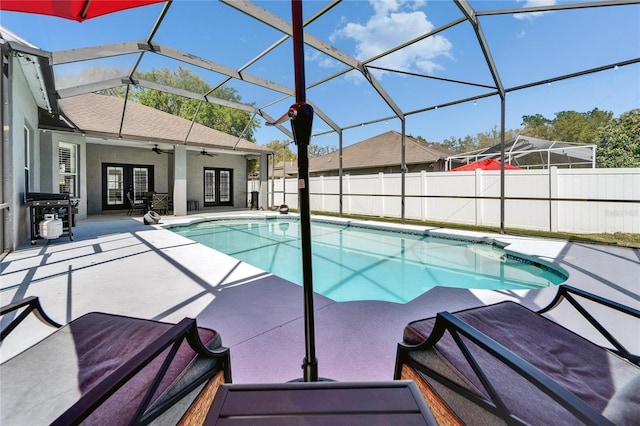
point(117, 264)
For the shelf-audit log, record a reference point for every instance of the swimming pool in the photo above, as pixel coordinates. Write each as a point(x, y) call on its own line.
point(358, 262)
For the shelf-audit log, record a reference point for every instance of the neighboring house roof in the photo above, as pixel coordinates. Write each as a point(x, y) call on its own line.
point(381, 151)
point(290, 168)
point(101, 115)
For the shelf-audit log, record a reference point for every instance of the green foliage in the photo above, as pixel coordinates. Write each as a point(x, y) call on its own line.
point(228, 120)
point(619, 141)
point(567, 126)
point(282, 150)
point(480, 141)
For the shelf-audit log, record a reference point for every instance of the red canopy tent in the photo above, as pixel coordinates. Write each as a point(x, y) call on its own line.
point(77, 10)
point(486, 164)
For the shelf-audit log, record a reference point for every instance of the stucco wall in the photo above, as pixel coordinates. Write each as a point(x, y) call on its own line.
point(97, 154)
point(195, 176)
point(24, 112)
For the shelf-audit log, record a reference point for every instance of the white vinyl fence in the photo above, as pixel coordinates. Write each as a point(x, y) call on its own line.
point(565, 200)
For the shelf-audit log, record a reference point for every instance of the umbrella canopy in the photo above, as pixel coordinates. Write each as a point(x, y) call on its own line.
point(77, 10)
point(486, 164)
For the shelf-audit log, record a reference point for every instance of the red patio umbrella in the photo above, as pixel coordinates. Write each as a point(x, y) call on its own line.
point(486, 164)
point(77, 10)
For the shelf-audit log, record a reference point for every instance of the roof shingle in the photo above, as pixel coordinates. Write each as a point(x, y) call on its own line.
point(101, 115)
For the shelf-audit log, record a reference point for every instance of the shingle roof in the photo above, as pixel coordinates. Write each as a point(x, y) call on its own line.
point(101, 115)
point(380, 151)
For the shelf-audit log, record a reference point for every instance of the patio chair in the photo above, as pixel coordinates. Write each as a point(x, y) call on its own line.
point(134, 205)
point(504, 363)
point(160, 203)
point(111, 369)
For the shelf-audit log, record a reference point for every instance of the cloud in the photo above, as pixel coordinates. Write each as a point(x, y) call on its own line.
point(533, 3)
point(395, 22)
point(322, 60)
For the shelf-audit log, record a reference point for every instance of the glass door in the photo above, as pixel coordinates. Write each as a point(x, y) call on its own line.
point(218, 187)
point(118, 179)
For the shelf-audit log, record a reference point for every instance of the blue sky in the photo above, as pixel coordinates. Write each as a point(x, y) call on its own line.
point(524, 47)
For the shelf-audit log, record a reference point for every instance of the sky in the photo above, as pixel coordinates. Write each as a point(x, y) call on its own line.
point(525, 48)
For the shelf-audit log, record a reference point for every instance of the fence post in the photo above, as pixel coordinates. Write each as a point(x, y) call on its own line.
point(322, 196)
point(348, 178)
point(553, 195)
point(381, 181)
point(423, 192)
point(478, 193)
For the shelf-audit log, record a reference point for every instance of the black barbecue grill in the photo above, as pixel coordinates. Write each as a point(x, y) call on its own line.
point(44, 203)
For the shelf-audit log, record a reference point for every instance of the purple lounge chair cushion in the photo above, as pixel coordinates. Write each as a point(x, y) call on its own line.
point(593, 374)
point(42, 382)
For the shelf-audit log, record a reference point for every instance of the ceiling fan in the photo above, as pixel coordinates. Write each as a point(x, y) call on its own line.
point(160, 151)
point(208, 154)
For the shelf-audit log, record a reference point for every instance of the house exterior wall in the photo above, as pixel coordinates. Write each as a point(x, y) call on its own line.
point(163, 167)
point(195, 176)
point(97, 154)
point(23, 114)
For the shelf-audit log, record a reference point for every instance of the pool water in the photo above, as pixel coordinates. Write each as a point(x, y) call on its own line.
point(357, 263)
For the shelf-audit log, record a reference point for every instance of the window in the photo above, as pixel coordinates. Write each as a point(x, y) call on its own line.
point(115, 186)
point(140, 182)
point(68, 171)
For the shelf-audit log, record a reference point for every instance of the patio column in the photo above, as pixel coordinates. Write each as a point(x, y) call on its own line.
point(180, 180)
point(263, 197)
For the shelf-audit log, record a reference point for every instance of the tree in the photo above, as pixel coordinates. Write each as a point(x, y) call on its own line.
point(281, 150)
point(480, 141)
point(536, 126)
point(319, 151)
point(619, 141)
point(492, 137)
point(225, 119)
point(567, 126)
point(460, 145)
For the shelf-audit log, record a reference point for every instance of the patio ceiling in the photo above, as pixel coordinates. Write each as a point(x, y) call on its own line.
point(487, 67)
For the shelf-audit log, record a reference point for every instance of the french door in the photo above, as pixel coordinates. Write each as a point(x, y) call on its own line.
point(218, 187)
point(118, 179)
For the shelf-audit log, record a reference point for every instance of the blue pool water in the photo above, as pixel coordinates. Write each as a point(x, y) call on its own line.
point(357, 263)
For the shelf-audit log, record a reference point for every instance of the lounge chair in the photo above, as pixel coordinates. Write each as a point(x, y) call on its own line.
point(110, 369)
point(504, 363)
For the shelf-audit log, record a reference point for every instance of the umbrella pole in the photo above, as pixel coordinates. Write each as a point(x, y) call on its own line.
point(302, 118)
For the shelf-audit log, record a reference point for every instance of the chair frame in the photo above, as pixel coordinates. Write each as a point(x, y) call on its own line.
point(135, 206)
point(173, 337)
point(160, 203)
point(448, 322)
